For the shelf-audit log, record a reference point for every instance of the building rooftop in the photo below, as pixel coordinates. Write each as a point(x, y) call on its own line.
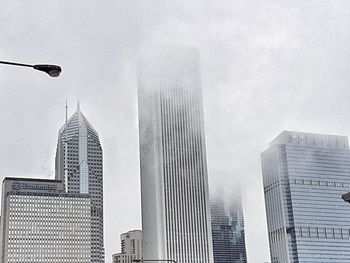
point(31, 179)
point(311, 140)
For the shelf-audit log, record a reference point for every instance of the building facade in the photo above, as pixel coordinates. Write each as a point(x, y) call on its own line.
point(174, 181)
point(41, 223)
point(131, 247)
point(304, 176)
point(79, 143)
point(227, 224)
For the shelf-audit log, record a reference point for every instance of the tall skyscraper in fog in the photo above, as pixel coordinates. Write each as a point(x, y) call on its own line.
point(174, 182)
point(79, 143)
point(305, 175)
point(227, 224)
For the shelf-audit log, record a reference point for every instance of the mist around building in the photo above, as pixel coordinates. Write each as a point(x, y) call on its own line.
point(190, 213)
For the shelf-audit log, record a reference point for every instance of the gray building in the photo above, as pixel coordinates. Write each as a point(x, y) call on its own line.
point(174, 181)
point(227, 224)
point(41, 223)
point(304, 176)
point(79, 143)
point(131, 247)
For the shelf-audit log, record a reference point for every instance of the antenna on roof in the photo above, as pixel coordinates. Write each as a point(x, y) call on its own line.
point(66, 112)
point(78, 105)
point(66, 150)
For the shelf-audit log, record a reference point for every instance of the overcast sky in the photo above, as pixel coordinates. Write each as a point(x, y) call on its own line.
point(267, 66)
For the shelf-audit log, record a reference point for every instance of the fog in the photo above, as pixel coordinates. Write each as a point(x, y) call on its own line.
point(266, 66)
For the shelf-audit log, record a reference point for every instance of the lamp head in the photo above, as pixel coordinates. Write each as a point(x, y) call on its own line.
point(346, 197)
point(52, 70)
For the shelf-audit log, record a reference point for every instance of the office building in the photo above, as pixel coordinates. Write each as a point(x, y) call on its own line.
point(304, 176)
point(79, 145)
point(131, 247)
point(41, 223)
point(227, 224)
point(174, 181)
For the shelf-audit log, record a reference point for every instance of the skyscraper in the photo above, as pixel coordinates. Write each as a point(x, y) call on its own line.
point(79, 143)
point(131, 247)
point(174, 182)
point(42, 223)
point(227, 224)
point(304, 176)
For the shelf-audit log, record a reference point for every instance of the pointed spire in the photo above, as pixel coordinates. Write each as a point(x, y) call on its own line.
point(66, 150)
point(77, 117)
point(66, 111)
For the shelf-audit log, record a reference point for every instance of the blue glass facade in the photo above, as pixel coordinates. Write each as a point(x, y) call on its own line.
point(304, 176)
point(227, 224)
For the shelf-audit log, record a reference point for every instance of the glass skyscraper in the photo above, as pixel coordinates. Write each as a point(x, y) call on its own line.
point(227, 224)
point(174, 180)
point(79, 144)
point(305, 175)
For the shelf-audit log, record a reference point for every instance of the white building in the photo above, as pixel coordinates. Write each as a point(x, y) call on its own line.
point(41, 223)
point(174, 181)
point(131, 247)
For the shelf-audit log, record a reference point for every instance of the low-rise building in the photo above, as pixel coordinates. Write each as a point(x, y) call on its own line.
point(131, 247)
point(41, 223)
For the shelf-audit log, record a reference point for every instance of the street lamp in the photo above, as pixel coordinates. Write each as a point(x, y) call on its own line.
point(155, 260)
point(52, 70)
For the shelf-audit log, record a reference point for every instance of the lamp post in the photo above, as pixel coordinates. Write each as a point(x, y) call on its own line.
point(52, 70)
point(155, 260)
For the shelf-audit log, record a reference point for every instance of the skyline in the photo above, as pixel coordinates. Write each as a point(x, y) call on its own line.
point(267, 66)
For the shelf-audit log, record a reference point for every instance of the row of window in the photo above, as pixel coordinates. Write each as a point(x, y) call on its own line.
point(322, 233)
point(306, 182)
point(312, 232)
point(321, 183)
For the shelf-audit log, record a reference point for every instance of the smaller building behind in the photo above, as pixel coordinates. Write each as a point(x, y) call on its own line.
point(131, 247)
point(227, 223)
